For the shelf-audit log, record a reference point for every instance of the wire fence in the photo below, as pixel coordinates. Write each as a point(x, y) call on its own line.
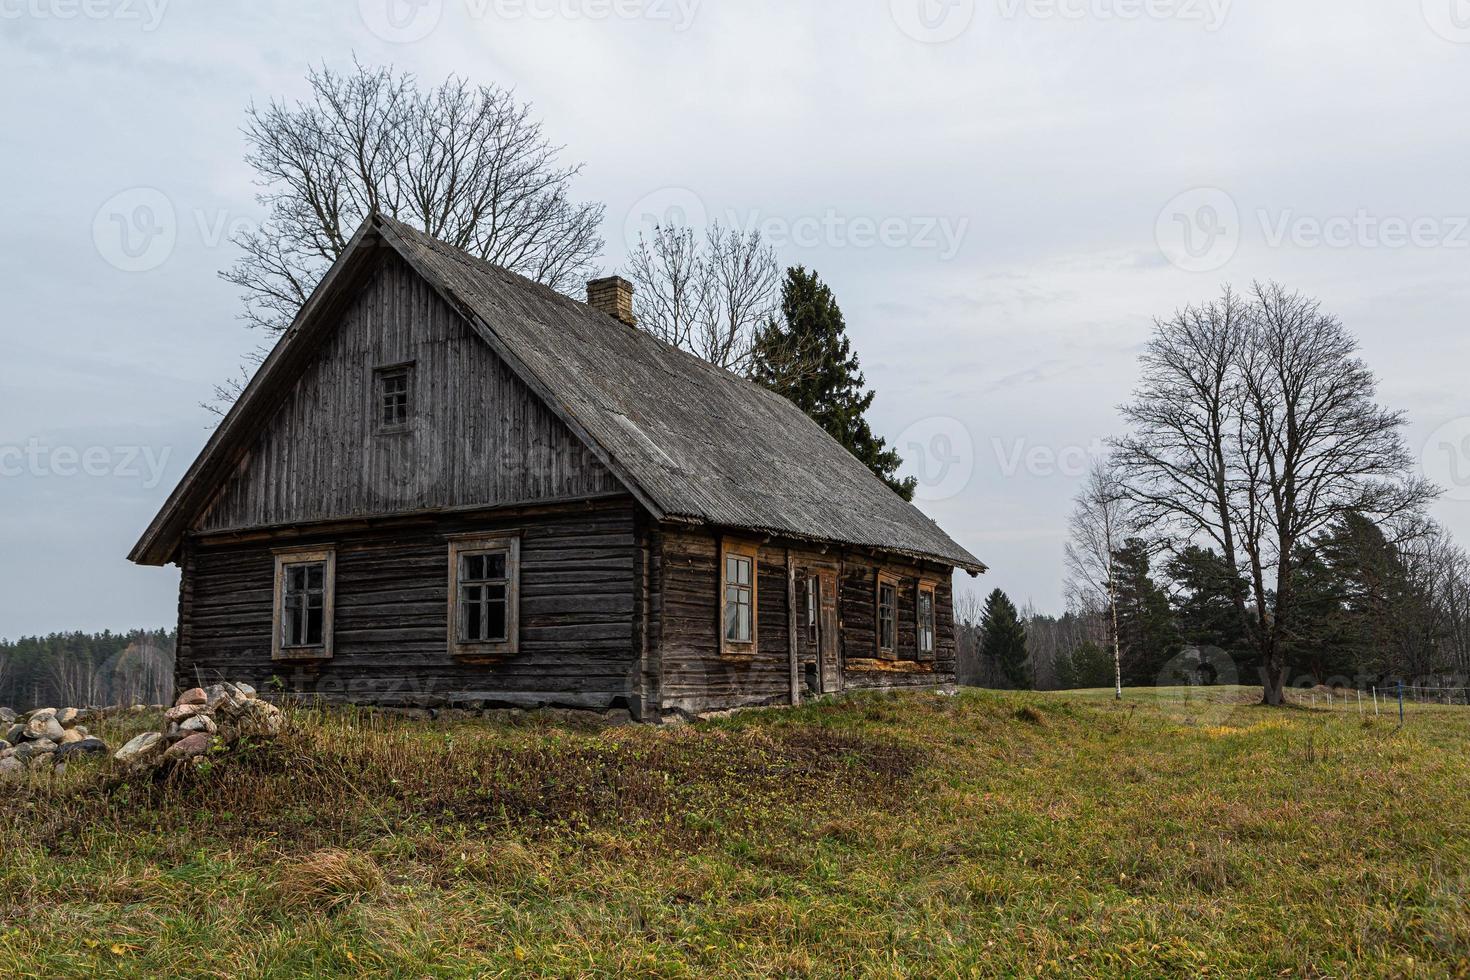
point(1396, 700)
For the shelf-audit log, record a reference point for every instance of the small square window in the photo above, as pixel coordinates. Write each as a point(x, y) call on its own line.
point(395, 397)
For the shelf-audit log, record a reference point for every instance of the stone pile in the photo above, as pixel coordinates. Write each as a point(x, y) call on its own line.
point(43, 741)
point(202, 719)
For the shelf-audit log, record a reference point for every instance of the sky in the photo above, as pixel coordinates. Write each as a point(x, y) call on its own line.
point(1003, 195)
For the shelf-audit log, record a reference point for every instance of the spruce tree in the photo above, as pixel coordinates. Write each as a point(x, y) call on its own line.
point(808, 359)
point(1005, 640)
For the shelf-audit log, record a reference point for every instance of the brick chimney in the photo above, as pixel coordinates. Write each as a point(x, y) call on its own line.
point(613, 296)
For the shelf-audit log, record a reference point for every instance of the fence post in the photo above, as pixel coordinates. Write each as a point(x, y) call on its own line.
point(1360, 701)
point(1375, 701)
point(1401, 704)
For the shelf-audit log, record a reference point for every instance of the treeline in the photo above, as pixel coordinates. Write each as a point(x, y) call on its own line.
point(1261, 521)
point(87, 669)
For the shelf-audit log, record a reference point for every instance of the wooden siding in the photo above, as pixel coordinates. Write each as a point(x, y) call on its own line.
point(579, 617)
point(696, 677)
point(477, 436)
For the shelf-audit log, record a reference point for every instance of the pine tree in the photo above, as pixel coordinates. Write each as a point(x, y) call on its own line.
point(808, 359)
point(1145, 621)
point(1005, 640)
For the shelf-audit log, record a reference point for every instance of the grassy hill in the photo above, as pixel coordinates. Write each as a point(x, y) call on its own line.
point(912, 835)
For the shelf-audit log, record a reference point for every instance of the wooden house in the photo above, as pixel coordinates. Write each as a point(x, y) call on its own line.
point(451, 486)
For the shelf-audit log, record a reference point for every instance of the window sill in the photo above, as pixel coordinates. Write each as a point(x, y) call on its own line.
point(483, 653)
point(301, 654)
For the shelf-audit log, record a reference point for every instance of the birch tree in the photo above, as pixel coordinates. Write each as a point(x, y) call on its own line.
point(1098, 528)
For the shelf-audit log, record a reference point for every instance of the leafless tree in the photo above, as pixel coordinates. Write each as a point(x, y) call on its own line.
point(467, 163)
point(707, 296)
point(1255, 426)
point(1100, 524)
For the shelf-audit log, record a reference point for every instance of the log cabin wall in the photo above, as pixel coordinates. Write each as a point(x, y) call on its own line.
point(867, 666)
point(580, 621)
point(696, 676)
point(476, 435)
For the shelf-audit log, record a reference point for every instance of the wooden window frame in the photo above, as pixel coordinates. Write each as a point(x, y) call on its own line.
point(285, 558)
point(885, 580)
point(380, 375)
point(750, 552)
point(474, 544)
point(813, 607)
point(931, 589)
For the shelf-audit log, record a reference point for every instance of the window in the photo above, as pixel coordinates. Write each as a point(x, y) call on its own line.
point(484, 595)
point(395, 395)
point(304, 599)
point(738, 571)
point(887, 615)
point(813, 606)
point(926, 621)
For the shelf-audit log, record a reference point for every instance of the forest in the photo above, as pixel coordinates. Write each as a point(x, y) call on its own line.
point(87, 669)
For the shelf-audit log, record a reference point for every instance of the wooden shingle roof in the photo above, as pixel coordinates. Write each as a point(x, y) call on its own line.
point(693, 443)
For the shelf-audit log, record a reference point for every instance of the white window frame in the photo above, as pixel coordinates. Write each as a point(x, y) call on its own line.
point(746, 552)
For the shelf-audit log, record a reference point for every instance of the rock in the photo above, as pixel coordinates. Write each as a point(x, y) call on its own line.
point(42, 763)
point(67, 717)
point(71, 736)
point(182, 712)
point(87, 746)
point(259, 719)
point(141, 749)
point(246, 691)
point(11, 770)
point(189, 748)
point(41, 715)
point(7, 717)
point(195, 695)
point(199, 723)
point(16, 734)
point(30, 750)
point(138, 709)
point(225, 693)
point(45, 726)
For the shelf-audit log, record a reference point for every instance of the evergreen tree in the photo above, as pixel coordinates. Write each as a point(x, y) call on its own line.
point(1145, 621)
point(1205, 614)
point(1086, 667)
point(1005, 640)
point(808, 359)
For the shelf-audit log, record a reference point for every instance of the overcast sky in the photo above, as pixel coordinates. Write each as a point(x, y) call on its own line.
point(1002, 193)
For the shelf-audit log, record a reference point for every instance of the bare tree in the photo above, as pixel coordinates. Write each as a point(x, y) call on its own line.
point(707, 297)
point(467, 163)
point(1254, 427)
point(1099, 526)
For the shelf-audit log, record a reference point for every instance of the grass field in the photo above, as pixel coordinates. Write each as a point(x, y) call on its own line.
point(906, 835)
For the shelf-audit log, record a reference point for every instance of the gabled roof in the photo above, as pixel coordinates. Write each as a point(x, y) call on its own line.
point(692, 442)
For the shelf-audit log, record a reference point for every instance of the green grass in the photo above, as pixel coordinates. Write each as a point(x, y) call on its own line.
point(903, 835)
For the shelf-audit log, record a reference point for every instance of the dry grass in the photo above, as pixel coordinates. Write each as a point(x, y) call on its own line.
point(911, 835)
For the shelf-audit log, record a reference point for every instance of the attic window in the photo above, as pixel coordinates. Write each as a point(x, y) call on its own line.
point(395, 395)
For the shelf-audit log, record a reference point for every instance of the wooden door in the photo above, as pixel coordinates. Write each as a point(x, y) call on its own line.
point(829, 655)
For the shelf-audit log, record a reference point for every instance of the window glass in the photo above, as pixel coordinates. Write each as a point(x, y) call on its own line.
point(303, 618)
point(887, 615)
point(739, 595)
point(484, 591)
